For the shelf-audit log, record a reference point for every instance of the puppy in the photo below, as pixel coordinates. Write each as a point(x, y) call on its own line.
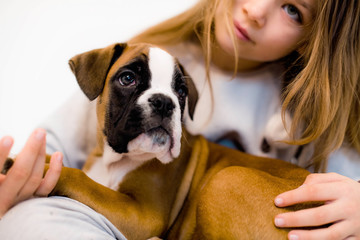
point(142, 92)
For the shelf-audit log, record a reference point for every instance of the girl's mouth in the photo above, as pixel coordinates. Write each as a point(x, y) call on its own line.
point(241, 32)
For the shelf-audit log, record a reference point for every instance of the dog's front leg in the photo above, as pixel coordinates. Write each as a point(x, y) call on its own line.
point(131, 215)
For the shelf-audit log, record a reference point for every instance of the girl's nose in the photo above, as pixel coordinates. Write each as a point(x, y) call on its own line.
point(256, 11)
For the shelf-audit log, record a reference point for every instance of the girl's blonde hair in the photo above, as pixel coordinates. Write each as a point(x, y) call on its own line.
point(323, 94)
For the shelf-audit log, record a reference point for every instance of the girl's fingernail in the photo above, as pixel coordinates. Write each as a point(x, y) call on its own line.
point(58, 157)
point(40, 135)
point(293, 237)
point(279, 222)
point(7, 142)
point(278, 201)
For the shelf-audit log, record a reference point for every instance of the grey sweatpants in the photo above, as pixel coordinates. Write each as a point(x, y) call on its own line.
point(55, 218)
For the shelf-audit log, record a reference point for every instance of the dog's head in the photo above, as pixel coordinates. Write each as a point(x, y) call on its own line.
point(142, 93)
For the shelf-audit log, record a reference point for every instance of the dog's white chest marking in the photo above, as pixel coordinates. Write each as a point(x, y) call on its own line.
point(110, 169)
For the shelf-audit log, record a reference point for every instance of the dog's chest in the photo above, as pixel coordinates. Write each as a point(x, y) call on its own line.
point(111, 168)
point(111, 176)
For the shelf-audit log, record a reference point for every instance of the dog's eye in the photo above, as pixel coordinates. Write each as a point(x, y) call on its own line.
point(127, 79)
point(182, 91)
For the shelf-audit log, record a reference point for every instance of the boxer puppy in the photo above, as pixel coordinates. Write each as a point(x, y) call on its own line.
point(142, 93)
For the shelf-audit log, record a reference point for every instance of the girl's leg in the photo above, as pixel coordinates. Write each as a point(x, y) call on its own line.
point(56, 218)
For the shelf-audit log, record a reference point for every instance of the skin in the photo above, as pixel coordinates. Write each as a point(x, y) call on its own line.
point(25, 179)
point(274, 29)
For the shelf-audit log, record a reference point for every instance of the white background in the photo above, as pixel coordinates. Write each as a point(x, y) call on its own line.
point(38, 37)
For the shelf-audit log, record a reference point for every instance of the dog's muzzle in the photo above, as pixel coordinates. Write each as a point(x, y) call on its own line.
point(161, 134)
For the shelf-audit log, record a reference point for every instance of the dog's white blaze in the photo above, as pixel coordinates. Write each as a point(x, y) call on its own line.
point(162, 66)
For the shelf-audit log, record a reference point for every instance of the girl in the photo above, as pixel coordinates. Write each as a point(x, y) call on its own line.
point(278, 73)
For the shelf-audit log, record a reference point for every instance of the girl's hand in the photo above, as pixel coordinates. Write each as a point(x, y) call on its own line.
point(25, 178)
point(342, 208)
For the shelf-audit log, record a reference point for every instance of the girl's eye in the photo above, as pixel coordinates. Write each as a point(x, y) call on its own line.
point(127, 79)
point(293, 12)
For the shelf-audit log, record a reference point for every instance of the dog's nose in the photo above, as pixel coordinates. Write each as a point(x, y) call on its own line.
point(162, 105)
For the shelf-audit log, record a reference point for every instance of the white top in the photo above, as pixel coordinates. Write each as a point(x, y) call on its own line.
point(247, 106)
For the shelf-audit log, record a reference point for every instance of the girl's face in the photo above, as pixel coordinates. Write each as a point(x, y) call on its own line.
point(265, 30)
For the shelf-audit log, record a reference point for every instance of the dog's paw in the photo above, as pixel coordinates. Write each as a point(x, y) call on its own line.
point(7, 165)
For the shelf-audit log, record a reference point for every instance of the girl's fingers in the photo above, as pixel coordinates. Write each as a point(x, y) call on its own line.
point(52, 175)
point(311, 217)
point(323, 178)
point(308, 193)
point(340, 230)
point(22, 168)
point(317, 187)
point(35, 177)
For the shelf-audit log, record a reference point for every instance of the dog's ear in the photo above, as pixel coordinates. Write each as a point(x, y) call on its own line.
point(192, 97)
point(91, 68)
point(192, 92)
